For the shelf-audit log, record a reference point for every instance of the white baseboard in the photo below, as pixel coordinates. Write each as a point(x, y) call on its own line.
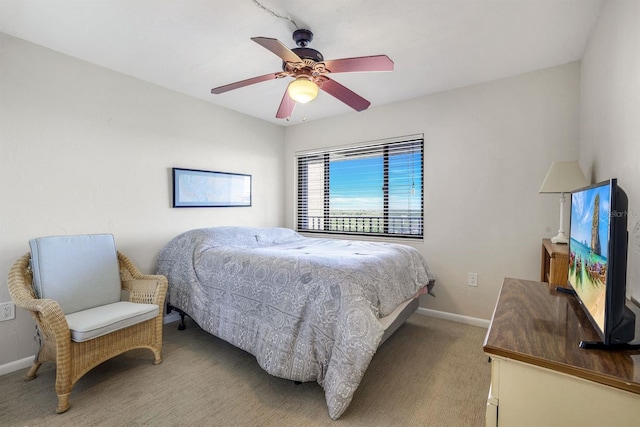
point(473, 321)
point(16, 365)
point(25, 363)
point(171, 317)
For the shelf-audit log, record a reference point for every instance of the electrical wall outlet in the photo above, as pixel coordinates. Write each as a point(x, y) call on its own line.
point(7, 311)
point(472, 279)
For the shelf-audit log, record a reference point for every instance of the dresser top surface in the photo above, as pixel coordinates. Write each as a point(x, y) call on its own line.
point(535, 324)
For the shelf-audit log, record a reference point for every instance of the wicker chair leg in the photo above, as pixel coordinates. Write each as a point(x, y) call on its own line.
point(32, 373)
point(63, 403)
point(158, 357)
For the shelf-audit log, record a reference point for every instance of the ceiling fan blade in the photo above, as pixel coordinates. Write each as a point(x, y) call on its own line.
point(276, 46)
point(362, 63)
point(345, 95)
point(286, 107)
point(243, 83)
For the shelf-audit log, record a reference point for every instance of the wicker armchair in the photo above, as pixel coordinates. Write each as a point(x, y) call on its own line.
point(74, 359)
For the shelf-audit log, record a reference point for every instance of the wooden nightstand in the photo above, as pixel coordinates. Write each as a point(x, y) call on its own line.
point(554, 268)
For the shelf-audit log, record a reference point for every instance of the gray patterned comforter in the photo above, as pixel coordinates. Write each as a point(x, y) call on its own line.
point(306, 308)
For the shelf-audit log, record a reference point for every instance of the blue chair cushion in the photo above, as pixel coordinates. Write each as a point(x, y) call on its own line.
point(79, 272)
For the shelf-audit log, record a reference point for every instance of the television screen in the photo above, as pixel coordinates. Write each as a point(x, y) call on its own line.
point(598, 261)
point(588, 249)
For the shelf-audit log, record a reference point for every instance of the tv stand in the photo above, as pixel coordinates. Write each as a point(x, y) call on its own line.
point(599, 345)
point(539, 375)
point(629, 320)
point(563, 290)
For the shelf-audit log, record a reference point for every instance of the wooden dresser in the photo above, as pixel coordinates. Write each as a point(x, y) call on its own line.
point(540, 377)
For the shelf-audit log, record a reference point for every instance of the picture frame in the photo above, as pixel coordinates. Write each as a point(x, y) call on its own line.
point(194, 188)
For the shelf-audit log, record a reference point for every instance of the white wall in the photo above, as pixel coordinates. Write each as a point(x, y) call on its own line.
point(86, 150)
point(610, 113)
point(487, 150)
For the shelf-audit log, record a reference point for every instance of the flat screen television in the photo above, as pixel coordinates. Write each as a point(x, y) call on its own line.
point(598, 261)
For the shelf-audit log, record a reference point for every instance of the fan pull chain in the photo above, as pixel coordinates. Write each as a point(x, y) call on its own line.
point(272, 13)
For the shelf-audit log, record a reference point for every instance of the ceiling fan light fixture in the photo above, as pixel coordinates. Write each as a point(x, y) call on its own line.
point(302, 90)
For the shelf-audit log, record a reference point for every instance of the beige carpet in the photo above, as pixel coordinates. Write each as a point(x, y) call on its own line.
point(432, 372)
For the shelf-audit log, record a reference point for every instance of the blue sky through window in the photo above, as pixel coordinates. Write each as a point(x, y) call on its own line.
point(356, 184)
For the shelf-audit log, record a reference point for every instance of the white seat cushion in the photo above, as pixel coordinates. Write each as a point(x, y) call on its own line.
point(98, 321)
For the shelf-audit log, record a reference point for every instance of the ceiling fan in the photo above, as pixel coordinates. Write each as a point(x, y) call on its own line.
point(311, 72)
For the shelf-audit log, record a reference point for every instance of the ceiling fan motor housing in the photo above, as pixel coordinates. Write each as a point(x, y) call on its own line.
point(303, 38)
point(308, 53)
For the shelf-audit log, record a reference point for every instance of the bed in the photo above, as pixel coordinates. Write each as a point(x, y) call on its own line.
point(308, 309)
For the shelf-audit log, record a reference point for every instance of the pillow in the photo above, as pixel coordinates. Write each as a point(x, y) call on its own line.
point(225, 236)
point(276, 236)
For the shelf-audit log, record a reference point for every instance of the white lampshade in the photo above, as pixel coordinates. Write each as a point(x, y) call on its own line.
point(563, 177)
point(302, 90)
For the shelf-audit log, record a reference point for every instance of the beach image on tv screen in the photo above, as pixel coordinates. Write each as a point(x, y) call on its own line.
point(588, 246)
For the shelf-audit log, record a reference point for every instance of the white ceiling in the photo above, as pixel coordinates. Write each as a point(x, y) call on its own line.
point(191, 46)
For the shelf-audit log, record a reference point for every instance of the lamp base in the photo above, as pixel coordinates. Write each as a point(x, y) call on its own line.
point(560, 238)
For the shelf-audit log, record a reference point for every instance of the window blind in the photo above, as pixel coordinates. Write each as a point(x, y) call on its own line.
point(371, 189)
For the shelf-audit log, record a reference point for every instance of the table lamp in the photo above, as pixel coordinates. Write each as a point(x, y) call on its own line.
point(563, 177)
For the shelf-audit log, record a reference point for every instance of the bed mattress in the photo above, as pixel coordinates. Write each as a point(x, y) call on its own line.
point(307, 309)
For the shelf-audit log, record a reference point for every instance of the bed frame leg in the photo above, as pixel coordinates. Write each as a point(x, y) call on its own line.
point(182, 326)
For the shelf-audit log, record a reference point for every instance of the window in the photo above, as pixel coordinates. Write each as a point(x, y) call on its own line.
point(374, 189)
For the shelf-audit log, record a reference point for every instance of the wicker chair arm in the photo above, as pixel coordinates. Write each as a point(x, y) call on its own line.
point(20, 288)
point(47, 312)
point(48, 309)
point(51, 319)
point(143, 288)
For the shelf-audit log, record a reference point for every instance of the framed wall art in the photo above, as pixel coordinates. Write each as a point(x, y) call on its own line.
point(194, 188)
